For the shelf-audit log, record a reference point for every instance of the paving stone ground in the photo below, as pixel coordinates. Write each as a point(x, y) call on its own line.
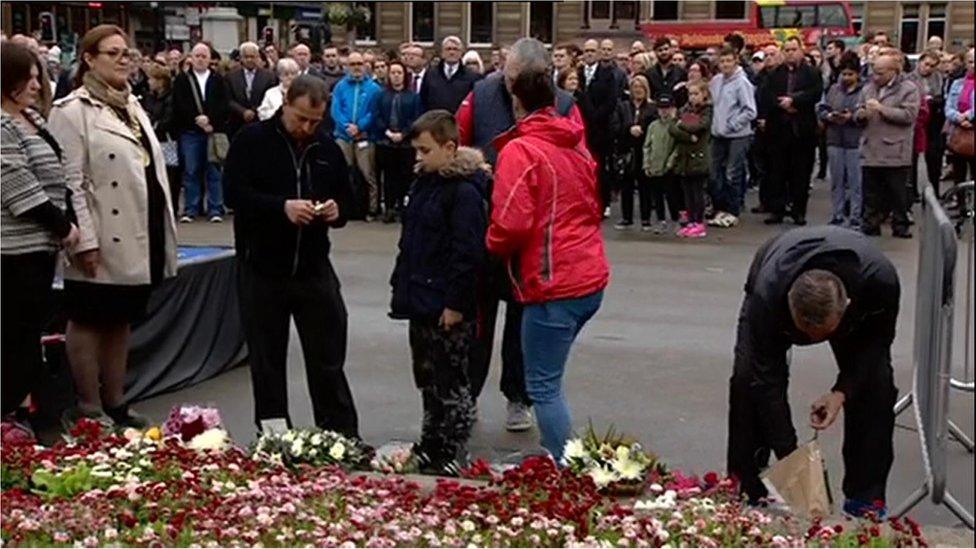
point(654, 362)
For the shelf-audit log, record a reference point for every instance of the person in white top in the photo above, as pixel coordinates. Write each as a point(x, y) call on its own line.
point(287, 71)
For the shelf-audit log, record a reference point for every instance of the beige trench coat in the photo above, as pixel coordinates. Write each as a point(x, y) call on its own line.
point(104, 169)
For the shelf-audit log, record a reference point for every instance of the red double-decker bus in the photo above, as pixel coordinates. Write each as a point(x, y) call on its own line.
point(767, 21)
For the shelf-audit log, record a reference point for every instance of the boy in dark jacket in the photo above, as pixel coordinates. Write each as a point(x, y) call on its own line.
point(441, 250)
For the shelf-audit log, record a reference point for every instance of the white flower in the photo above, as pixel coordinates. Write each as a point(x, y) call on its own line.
point(337, 451)
point(211, 439)
point(289, 436)
point(628, 469)
point(297, 447)
point(574, 449)
point(316, 439)
point(467, 526)
point(602, 477)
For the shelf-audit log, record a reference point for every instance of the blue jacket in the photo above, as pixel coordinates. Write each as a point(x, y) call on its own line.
point(734, 105)
point(408, 111)
point(354, 102)
point(442, 242)
point(952, 102)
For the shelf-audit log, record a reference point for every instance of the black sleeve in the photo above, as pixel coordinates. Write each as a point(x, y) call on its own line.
point(48, 215)
point(220, 104)
point(868, 347)
point(467, 253)
point(184, 107)
point(240, 186)
point(340, 188)
point(770, 379)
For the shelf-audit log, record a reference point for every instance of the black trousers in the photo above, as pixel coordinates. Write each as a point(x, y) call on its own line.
point(693, 187)
point(26, 285)
point(394, 166)
point(642, 183)
point(513, 365)
point(936, 149)
point(667, 191)
point(604, 177)
point(885, 191)
point(963, 169)
point(791, 164)
point(267, 305)
point(440, 370)
point(869, 418)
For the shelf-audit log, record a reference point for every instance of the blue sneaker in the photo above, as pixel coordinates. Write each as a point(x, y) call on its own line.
point(857, 508)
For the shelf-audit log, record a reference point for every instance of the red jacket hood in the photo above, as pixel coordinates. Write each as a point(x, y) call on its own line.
point(545, 124)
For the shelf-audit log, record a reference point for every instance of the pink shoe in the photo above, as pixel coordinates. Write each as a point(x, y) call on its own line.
point(683, 231)
point(697, 230)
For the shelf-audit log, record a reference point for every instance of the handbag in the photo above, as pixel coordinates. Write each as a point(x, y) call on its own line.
point(961, 142)
point(171, 152)
point(217, 142)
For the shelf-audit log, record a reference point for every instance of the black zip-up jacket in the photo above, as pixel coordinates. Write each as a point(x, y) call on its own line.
point(264, 168)
point(861, 344)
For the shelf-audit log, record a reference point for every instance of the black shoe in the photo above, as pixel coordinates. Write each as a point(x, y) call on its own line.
point(867, 231)
point(758, 210)
point(902, 234)
point(799, 221)
point(123, 416)
point(389, 217)
point(774, 220)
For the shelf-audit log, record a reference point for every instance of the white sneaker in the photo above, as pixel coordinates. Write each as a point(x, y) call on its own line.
point(606, 212)
point(216, 219)
point(186, 219)
point(519, 417)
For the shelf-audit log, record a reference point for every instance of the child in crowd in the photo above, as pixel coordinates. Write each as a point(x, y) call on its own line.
point(659, 163)
point(441, 251)
point(690, 131)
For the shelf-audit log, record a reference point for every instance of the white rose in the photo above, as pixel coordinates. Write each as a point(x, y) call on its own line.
point(211, 439)
point(574, 449)
point(337, 451)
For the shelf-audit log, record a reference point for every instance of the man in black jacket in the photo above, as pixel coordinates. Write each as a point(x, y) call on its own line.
point(447, 84)
point(246, 87)
point(787, 101)
point(288, 183)
point(807, 286)
point(600, 93)
point(665, 74)
point(200, 108)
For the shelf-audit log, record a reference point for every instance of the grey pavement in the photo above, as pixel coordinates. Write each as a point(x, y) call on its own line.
point(654, 362)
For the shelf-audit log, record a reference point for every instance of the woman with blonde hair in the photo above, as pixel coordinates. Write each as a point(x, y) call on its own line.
point(116, 172)
point(472, 61)
point(629, 126)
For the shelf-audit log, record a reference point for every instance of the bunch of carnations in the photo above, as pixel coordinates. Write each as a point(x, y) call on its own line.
point(311, 446)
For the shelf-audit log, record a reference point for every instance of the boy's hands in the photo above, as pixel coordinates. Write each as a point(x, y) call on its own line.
point(449, 319)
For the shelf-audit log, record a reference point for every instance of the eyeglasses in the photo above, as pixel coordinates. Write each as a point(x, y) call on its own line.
point(116, 54)
point(356, 64)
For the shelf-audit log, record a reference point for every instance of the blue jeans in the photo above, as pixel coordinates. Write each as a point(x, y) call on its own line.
point(548, 332)
point(193, 147)
point(845, 186)
point(729, 172)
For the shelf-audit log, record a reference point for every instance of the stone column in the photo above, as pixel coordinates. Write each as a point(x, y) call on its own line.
point(222, 28)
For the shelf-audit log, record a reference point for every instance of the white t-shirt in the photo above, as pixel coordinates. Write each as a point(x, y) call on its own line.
point(202, 78)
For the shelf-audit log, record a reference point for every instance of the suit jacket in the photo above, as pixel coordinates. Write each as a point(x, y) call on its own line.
point(807, 92)
point(599, 100)
point(216, 104)
point(240, 101)
point(437, 91)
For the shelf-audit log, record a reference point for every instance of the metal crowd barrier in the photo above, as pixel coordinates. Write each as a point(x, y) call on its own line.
point(934, 305)
point(962, 198)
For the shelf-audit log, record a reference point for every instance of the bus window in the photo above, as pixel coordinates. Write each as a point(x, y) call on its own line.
point(767, 17)
point(796, 16)
point(832, 15)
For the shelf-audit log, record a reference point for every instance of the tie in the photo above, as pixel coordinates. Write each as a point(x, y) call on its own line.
point(248, 83)
point(415, 83)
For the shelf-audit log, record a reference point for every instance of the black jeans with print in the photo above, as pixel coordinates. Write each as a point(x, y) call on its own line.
point(440, 370)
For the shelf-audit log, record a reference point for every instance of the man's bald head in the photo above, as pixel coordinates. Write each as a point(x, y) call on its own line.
point(886, 67)
point(591, 51)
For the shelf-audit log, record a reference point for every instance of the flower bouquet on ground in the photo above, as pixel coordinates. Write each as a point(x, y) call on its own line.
point(311, 446)
point(617, 464)
point(395, 459)
point(198, 427)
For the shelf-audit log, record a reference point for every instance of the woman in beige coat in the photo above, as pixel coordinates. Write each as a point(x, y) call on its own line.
point(119, 194)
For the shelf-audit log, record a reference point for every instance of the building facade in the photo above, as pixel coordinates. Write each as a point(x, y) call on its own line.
point(483, 24)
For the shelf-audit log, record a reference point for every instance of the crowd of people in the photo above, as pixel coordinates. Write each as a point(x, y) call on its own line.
point(501, 173)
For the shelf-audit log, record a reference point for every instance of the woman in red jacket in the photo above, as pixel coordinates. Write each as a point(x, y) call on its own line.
point(545, 221)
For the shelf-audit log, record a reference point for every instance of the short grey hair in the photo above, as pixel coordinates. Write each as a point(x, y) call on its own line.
point(249, 46)
point(452, 39)
point(529, 54)
point(286, 64)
